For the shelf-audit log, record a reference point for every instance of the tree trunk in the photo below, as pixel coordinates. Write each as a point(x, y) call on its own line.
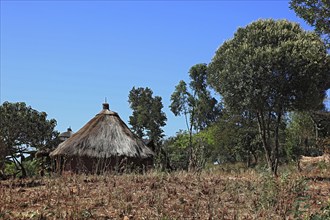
point(192, 156)
point(167, 160)
point(248, 161)
point(192, 159)
point(271, 151)
point(277, 144)
point(21, 166)
point(264, 139)
point(2, 165)
point(255, 158)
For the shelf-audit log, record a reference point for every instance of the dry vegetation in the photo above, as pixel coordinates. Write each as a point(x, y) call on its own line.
point(212, 194)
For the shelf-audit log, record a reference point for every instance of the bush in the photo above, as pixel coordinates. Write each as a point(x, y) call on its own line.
point(31, 168)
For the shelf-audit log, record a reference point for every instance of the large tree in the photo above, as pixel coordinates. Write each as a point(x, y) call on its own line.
point(23, 128)
point(147, 118)
point(196, 104)
point(269, 68)
point(315, 13)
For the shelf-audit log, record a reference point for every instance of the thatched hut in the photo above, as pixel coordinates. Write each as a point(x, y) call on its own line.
point(65, 135)
point(104, 143)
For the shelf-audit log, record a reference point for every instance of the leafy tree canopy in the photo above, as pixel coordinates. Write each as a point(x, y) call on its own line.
point(147, 118)
point(300, 135)
point(195, 102)
point(22, 127)
point(271, 64)
point(315, 13)
point(234, 137)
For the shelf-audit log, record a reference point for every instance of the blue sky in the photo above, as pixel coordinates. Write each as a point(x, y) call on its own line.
point(65, 57)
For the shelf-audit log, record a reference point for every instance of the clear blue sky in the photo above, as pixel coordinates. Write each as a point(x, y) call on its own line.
point(65, 57)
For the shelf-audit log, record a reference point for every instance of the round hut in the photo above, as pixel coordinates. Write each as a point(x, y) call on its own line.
point(65, 135)
point(104, 144)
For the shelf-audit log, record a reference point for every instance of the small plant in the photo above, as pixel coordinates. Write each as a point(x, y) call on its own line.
point(86, 214)
point(269, 192)
point(324, 213)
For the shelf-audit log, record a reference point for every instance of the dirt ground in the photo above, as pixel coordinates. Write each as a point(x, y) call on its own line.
point(211, 194)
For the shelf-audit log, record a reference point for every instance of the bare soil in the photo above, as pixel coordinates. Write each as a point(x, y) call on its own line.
point(211, 194)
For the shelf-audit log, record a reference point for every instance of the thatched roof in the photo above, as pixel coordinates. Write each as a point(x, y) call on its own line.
point(65, 135)
point(104, 136)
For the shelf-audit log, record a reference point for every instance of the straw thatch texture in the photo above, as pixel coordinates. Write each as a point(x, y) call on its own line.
point(310, 162)
point(104, 137)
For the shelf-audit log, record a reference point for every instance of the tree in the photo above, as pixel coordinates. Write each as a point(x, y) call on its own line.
point(147, 118)
point(234, 137)
point(197, 105)
point(269, 68)
point(300, 135)
point(315, 13)
point(307, 133)
point(321, 121)
point(176, 149)
point(23, 128)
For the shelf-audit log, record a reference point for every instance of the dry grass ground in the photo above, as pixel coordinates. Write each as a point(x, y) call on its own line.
point(212, 194)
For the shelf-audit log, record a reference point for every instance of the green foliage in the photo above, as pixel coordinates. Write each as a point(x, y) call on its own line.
point(177, 148)
point(31, 167)
point(300, 135)
point(3, 154)
point(269, 192)
point(324, 213)
point(180, 104)
point(148, 117)
point(195, 103)
point(233, 138)
point(23, 128)
point(271, 64)
point(22, 125)
point(11, 169)
point(315, 13)
point(206, 108)
point(321, 120)
point(307, 134)
point(268, 68)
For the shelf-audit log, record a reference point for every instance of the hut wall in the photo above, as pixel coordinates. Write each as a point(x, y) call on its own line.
point(101, 165)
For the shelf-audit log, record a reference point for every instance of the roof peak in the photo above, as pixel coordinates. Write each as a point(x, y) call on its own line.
point(106, 106)
point(106, 110)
